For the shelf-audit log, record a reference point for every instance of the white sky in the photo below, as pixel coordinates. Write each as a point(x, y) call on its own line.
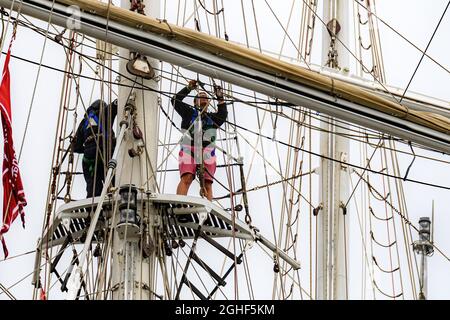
point(416, 20)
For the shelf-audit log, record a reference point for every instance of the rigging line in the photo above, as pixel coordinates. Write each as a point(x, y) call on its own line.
point(375, 133)
point(287, 34)
point(310, 210)
point(239, 191)
point(266, 251)
point(114, 211)
point(385, 294)
point(169, 138)
point(36, 28)
point(410, 165)
point(224, 24)
point(404, 218)
point(100, 153)
point(245, 22)
point(377, 52)
point(339, 161)
point(210, 12)
point(384, 270)
point(326, 117)
point(3, 25)
point(36, 83)
point(195, 270)
point(17, 256)
point(108, 83)
point(271, 165)
point(40, 65)
point(260, 123)
point(287, 27)
point(69, 72)
point(22, 279)
point(407, 232)
point(305, 112)
point(232, 186)
point(373, 213)
point(299, 140)
point(403, 37)
point(367, 166)
point(300, 136)
point(363, 240)
point(56, 166)
point(284, 200)
point(379, 243)
point(8, 293)
point(423, 54)
point(247, 274)
point(395, 233)
point(9, 19)
point(386, 201)
point(383, 162)
point(354, 56)
point(256, 27)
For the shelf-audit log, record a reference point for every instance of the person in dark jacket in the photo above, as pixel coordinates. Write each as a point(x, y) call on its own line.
point(95, 139)
point(199, 135)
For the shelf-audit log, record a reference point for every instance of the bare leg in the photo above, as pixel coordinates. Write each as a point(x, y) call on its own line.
point(208, 187)
point(185, 183)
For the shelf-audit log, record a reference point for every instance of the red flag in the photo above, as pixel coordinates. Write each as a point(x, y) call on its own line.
point(13, 194)
point(43, 296)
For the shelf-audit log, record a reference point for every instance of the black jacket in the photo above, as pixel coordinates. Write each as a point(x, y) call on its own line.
point(84, 141)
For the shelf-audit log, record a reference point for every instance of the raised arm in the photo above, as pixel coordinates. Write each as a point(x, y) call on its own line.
point(220, 116)
point(183, 109)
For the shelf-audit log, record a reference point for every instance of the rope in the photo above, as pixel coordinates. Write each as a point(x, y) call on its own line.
point(383, 270)
point(423, 54)
point(339, 161)
point(35, 83)
point(385, 294)
point(8, 293)
point(287, 34)
point(210, 12)
point(364, 245)
point(367, 166)
point(380, 244)
point(239, 191)
point(395, 233)
point(378, 218)
point(351, 53)
point(402, 36)
point(18, 255)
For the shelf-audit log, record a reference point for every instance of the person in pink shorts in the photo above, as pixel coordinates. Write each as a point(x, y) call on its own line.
point(199, 129)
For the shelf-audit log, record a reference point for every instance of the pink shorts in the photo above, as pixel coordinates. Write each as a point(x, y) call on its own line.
point(187, 163)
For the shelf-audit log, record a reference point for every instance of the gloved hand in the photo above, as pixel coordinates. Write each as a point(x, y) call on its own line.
point(219, 92)
point(192, 84)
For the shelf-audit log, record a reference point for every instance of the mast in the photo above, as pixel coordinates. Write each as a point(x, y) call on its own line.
point(134, 256)
point(332, 246)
